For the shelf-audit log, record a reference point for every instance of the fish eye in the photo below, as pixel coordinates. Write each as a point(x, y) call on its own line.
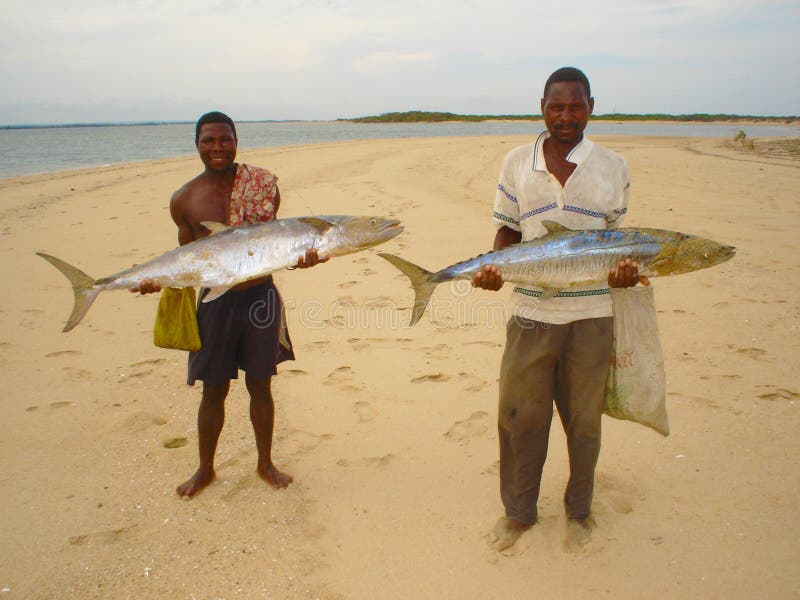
point(373, 221)
point(705, 255)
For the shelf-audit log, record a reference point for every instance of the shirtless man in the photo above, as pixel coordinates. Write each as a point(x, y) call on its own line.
point(231, 341)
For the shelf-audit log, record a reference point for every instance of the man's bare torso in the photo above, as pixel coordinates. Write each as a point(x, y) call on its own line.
point(207, 197)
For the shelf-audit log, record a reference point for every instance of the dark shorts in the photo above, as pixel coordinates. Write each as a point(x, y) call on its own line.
point(240, 330)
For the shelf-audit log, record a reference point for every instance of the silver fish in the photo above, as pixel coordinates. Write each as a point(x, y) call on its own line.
point(230, 256)
point(565, 258)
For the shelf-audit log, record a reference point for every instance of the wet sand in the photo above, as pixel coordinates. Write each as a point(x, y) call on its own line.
point(390, 431)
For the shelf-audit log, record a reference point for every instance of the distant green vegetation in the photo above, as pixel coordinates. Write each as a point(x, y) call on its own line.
point(741, 139)
point(419, 116)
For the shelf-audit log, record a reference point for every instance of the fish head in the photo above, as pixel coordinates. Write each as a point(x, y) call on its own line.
point(359, 233)
point(694, 253)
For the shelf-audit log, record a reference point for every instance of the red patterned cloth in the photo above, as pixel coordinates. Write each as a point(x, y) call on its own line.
point(253, 196)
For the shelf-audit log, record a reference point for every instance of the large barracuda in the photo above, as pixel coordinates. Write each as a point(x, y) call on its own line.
point(233, 255)
point(565, 258)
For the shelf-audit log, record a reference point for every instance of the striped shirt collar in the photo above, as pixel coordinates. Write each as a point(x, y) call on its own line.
point(577, 155)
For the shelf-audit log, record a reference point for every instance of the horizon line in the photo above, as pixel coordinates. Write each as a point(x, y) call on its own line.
point(521, 117)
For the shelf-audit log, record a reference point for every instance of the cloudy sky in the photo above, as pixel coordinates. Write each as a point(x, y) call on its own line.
point(106, 60)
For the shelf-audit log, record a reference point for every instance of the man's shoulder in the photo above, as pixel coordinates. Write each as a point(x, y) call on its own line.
point(519, 154)
point(185, 192)
point(259, 172)
point(607, 155)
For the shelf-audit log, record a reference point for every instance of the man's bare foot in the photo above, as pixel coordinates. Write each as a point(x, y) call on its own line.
point(506, 532)
point(579, 532)
point(196, 483)
point(275, 478)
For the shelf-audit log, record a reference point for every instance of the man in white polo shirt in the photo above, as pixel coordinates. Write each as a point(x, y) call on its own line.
point(557, 349)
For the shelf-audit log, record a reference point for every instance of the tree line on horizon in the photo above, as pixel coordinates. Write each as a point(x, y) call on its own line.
point(419, 116)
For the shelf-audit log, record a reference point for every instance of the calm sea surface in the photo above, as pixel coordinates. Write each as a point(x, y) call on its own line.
point(29, 151)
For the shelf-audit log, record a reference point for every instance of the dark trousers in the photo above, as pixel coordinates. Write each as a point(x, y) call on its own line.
point(543, 363)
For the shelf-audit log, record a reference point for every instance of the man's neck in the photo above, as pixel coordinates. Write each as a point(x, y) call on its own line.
point(558, 149)
point(222, 177)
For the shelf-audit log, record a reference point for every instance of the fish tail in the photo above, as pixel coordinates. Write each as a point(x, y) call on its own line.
point(421, 280)
point(82, 287)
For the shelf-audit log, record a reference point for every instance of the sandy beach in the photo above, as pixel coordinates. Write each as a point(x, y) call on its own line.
point(390, 431)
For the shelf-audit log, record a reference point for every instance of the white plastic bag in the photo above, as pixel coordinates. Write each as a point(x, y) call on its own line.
point(636, 387)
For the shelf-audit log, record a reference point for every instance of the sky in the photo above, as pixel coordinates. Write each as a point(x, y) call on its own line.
point(158, 60)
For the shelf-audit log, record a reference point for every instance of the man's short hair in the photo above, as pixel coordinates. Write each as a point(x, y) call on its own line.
point(568, 74)
point(213, 117)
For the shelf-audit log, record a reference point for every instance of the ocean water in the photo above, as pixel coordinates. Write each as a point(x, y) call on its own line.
point(45, 150)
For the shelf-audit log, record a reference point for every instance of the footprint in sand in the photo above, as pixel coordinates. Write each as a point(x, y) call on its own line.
point(175, 442)
point(61, 353)
point(142, 421)
point(432, 377)
point(104, 537)
point(77, 374)
point(294, 372)
point(476, 425)
point(348, 284)
point(492, 469)
point(360, 259)
point(235, 488)
point(438, 351)
point(318, 345)
point(369, 272)
point(363, 343)
point(298, 442)
point(615, 493)
point(365, 411)
point(485, 343)
point(149, 361)
point(32, 408)
point(128, 376)
point(474, 384)
point(342, 378)
point(60, 404)
point(367, 461)
point(779, 394)
point(751, 352)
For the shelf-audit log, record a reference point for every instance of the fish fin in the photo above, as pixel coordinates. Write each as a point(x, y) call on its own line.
point(420, 280)
point(82, 287)
point(215, 227)
point(318, 224)
point(553, 227)
point(216, 292)
point(548, 293)
point(661, 259)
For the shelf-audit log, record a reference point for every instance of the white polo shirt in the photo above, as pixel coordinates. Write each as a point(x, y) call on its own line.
point(594, 197)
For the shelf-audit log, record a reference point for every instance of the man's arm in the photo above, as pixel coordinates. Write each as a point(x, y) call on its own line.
point(490, 277)
point(627, 272)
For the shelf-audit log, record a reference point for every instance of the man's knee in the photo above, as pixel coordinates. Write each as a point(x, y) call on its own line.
point(521, 416)
point(259, 389)
point(215, 393)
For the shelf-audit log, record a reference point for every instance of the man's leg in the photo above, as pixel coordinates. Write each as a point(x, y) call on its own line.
point(524, 414)
point(579, 397)
point(210, 418)
point(262, 415)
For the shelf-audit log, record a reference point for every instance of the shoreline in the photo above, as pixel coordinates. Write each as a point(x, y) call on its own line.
point(5, 180)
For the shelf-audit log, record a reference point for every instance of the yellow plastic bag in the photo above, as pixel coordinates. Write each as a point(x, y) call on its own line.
point(176, 320)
